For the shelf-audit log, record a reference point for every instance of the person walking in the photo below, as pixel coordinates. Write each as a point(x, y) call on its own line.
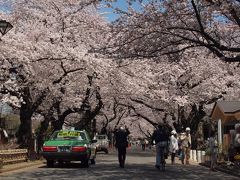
point(121, 144)
point(213, 150)
point(161, 138)
point(143, 144)
point(180, 147)
point(173, 147)
point(186, 145)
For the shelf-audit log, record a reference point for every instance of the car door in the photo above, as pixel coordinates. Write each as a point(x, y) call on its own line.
point(91, 145)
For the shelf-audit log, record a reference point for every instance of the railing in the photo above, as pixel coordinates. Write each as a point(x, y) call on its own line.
point(13, 156)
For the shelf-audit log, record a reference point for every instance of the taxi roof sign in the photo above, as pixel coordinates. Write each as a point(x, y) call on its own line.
point(66, 133)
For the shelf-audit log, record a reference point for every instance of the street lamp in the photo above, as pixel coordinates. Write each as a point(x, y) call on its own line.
point(5, 27)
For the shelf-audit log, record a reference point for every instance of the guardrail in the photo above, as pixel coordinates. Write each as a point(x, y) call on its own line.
point(13, 156)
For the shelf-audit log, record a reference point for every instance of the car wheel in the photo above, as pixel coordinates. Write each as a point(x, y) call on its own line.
point(93, 161)
point(50, 163)
point(85, 163)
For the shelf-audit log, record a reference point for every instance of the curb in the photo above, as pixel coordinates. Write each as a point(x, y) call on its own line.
point(13, 167)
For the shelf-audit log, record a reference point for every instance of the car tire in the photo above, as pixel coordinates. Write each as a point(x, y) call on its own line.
point(85, 163)
point(60, 162)
point(50, 163)
point(93, 161)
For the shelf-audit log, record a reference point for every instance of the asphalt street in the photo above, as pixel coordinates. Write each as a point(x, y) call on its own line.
point(139, 165)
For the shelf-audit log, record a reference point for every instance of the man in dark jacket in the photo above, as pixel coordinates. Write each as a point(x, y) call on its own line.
point(161, 138)
point(121, 144)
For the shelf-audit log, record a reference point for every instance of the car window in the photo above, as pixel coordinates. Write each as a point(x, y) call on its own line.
point(101, 137)
point(68, 135)
point(83, 136)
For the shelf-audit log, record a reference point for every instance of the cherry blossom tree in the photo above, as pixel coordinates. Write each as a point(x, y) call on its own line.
point(188, 34)
point(49, 47)
point(50, 66)
point(155, 28)
point(179, 93)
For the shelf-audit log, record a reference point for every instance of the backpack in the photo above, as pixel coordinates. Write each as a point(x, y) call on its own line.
point(161, 135)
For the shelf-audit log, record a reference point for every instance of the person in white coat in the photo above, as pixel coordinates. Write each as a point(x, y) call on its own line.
point(173, 147)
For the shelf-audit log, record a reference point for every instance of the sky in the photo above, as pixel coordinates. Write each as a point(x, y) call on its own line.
point(4, 108)
point(4, 7)
point(109, 12)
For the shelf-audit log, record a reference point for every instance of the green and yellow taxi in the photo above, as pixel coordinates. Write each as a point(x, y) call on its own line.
point(69, 145)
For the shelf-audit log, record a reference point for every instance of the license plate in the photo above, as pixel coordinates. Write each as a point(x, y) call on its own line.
point(63, 149)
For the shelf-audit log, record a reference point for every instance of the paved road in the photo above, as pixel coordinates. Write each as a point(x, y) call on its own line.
point(139, 165)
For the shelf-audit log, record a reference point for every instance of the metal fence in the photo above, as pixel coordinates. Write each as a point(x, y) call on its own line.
point(13, 156)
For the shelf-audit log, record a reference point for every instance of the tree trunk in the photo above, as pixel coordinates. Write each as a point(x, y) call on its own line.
point(24, 133)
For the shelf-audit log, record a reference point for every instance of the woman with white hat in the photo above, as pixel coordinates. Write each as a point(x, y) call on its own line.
point(173, 147)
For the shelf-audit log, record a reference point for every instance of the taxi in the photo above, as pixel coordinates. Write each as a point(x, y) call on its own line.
point(69, 145)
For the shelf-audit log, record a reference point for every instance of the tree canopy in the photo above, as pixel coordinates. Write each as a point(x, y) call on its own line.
point(165, 61)
point(155, 28)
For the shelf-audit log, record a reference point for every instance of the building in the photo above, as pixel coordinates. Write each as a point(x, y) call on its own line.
point(9, 123)
point(226, 114)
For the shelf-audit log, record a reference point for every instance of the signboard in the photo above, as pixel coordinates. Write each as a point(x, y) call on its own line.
point(68, 134)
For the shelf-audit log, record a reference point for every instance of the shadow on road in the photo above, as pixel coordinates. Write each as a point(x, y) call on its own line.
point(111, 171)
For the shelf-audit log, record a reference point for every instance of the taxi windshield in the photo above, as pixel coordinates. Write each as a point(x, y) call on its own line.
point(68, 135)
